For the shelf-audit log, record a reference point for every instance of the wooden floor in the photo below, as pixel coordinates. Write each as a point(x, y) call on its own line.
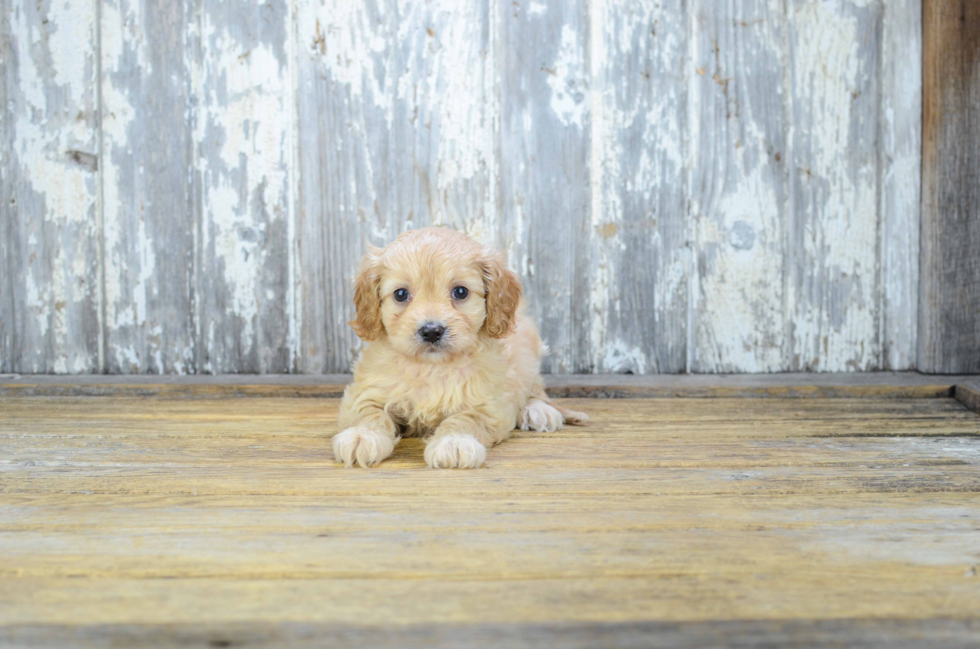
point(689, 522)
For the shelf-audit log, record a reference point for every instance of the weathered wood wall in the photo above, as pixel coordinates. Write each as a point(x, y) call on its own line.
point(684, 185)
point(949, 308)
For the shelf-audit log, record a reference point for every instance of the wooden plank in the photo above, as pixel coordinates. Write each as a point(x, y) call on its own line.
point(587, 513)
point(740, 187)
point(949, 293)
point(151, 197)
point(124, 517)
point(968, 394)
point(327, 480)
point(912, 593)
point(545, 107)
point(7, 230)
point(825, 385)
point(667, 419)
point(900, 173)
point(900, 634)
point(834, 230)
point(639, 256)
point(396, 130)
point(243, 144)
point(246, 537)
point(50, 313)
point(643, 449)
point(809, 446)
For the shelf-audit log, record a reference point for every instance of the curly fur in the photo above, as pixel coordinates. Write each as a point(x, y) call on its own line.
point(466, 392)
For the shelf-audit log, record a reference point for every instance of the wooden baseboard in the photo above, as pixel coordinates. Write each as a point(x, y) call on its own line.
point(888, 385)
point(968, 393)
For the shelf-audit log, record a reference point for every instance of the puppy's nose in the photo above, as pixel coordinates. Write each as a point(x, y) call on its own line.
point(431, 332)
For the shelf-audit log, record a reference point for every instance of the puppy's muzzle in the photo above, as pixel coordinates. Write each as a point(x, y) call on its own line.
point(431, 332)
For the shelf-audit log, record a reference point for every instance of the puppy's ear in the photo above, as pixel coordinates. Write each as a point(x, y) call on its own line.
point(503, 294)
point(367, 302)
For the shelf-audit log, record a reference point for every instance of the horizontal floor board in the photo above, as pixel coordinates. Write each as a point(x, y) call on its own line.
point(763, 634)
point(894, 590)
point(660, 449)
point(153, 512)
point(792, 385)
point(328, 480)
point(271, 417)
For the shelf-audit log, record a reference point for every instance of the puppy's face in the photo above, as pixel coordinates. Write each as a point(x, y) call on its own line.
point(432, 293)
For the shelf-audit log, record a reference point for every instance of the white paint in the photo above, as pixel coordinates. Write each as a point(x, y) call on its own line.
point(569, 79)
point(254, 125)
point(537, 9)
point(344, 40)
point(129, 266)
point(619, 357)
point(844, 248)
point(601, 212)
point(737, 293)
point(44, 134)
point(429, 62)
point(294, 298)
point(738, 227)
point(900, 159)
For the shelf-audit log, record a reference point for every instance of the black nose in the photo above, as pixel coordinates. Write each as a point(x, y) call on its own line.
point(431, 332)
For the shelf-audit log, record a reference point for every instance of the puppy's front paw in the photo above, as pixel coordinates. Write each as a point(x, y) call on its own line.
point(540, 416)
point(362, 445)
point(455, 451)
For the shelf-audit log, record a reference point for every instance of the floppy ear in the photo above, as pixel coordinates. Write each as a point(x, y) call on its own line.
point(503, 294)
point(367, 302)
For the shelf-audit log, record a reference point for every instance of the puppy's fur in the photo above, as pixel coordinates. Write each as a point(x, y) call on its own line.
point(467, 390)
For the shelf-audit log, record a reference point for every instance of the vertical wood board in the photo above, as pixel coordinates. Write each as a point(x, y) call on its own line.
point(151, 207)
point(833, 274)
point(900, 168)
point(639, 232)
point(243, 139)
point(545, 117)
point(51, 249)
point(949, 290)
point(740, 186)
point(395, 132)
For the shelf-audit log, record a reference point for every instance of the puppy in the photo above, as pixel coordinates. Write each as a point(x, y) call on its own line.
point(451, 355)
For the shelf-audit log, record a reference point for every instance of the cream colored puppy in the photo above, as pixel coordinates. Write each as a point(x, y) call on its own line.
point(451, 355)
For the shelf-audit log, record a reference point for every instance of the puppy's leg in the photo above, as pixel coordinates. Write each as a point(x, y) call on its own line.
point(571, 416)
point(460, 442)
point(368, 441)
point(541, 416)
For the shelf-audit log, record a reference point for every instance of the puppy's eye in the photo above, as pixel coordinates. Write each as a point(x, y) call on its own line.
point(401, 295)
point(460, 293)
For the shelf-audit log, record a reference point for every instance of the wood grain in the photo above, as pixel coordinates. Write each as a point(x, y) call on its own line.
point(834, 224)
point(769, 634)
point(899, 160)
point(243, 155)
point(968, 393)
point(885, 385)
point(395, 132)
point(683, 186)
point(949, 295)
point(50, 311)
point(740, 205)
point(545, 124)
point(151, 204)
point(217, 519)
point(639, 307)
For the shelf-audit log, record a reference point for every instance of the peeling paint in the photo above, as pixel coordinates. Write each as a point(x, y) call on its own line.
point(568, 80)
point(682, 186)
